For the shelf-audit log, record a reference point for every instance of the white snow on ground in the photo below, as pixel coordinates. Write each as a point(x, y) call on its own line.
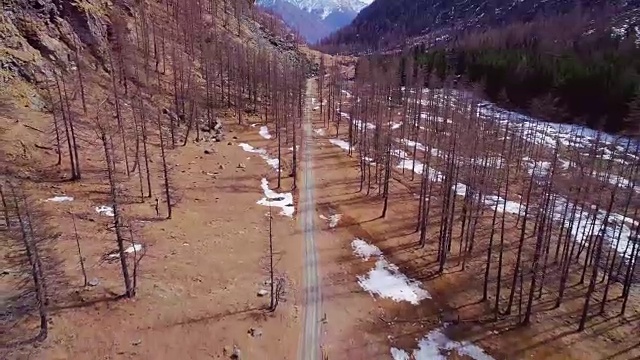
point(344, 145)
point(274, 163)
point(539, 169)
point(255, 125)
point(587, 223)
point(131, 249)
point(387, 281)
point(332, 219)
point(510, 207)
point(617, 180)
point(316, 107)
point(411, 143)
point(399, 354)
point(495, 161)
point(319, 131)
point(365, 250)
point(566, 164)
point(546, 133)
point(264, 132)
point(421, 147)
point(281, 200)
point(395, 126)
point(105, 210)
point(419, 168)
point(436, 346)
point(60, 198)
point(541, 132)
point(313, 101)
point(460, 189)
point(357, 123)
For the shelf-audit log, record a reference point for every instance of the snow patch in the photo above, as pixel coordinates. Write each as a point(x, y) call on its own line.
point(399, 354)
point(344, 145)
point(387, 281)
point(365, 250)
point(319, 131)
point(105, 210)
point(274, 163)
point(272, 198)
point(60, 198)
point(131, 249)
point(264, 132)
point(333, 219)
point(537, 169)
point(509, 207)
point(436, 345)
point(419, 168)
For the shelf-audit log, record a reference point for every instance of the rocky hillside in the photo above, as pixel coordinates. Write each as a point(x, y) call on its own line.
point(38, 38)
point(388, 23)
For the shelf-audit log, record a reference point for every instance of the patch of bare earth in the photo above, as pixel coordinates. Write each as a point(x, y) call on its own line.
point(199, 280)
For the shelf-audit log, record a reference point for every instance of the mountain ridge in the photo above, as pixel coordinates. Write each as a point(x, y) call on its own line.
point(388, 23)
point(315, 19)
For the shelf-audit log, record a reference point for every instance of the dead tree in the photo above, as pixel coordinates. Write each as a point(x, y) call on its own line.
point(30, 242)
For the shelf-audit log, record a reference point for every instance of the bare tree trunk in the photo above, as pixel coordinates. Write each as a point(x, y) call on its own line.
point(116, 216)
point(165, 170)
point(75, 230)
point(31, 250)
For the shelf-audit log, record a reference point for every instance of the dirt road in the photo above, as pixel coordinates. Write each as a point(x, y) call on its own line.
point(310, 349)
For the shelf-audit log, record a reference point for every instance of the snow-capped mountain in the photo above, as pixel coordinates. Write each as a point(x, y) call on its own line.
point(315, 19)
point(326, 7)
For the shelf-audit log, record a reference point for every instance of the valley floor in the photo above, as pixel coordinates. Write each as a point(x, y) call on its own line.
point(203, 269)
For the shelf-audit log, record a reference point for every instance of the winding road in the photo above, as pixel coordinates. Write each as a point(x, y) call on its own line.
point(310, 349)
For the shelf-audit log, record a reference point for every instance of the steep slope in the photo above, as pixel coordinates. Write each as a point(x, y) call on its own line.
point(315, 19)
point(387, 23)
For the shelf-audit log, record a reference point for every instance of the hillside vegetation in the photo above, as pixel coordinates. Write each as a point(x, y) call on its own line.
point(103, 103)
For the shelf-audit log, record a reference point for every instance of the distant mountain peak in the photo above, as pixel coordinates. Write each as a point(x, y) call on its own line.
point(325, 7)
point(316, 19)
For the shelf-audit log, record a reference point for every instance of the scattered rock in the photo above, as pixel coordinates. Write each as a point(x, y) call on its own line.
point(136, 342)
point(235, 138)
point(205, 128)
point(93, 282)
point(221, 167)
point(255, 332)
point(236, 353)
point(226, 351)
point(230, 143)
point(262, 292)
point(450, 317)
point(209, 151)
point(6, 272)
point(242, 166)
